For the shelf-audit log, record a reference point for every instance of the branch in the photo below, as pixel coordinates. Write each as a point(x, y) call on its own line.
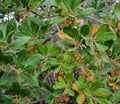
point(35, 13)
point(57, 27)
point(37, 101)
point(100, 21)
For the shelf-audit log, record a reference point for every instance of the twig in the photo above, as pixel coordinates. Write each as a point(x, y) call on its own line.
point(37, 101)
point(35, 13)
point(50, 16)
point(57, 27)
point(44, 16)
point(97, 19)
point(100, 21)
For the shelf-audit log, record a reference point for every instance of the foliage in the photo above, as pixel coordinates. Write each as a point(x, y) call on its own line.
point(59, 52)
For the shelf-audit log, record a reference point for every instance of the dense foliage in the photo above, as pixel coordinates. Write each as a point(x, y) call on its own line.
point(59, 52)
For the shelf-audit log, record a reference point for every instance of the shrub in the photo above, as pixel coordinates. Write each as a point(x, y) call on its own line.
point(59, 52)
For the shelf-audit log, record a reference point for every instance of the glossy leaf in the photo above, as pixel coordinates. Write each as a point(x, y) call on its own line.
point(85, 30)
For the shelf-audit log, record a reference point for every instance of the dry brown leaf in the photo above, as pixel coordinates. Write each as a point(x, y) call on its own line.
point(64, 98)
point(117, 72)
point(76, 20)
point(89, 76)
point(62, 36)
point(74, 87)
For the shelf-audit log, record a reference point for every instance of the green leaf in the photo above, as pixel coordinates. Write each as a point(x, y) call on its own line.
point(105, 58)
point(103, 101)
point(34, 27)
point(41, 48)
point(81, 85)
point(117, 10)
point(101, 47)
point(55, 51)
point(65, 43)
point(49, 2)
point(116, 97)
point(57, 69)
point(11, 26)
point(90, 102)
point(9, 34)
point(53, 62)
point(88, 59)
point(31, 67)
point(1, 55)
point(6, 99)
point(74, 4)
point(49, 46)
point(80, 99)
point(16, 87)
point(37, 21)
point(60, 79)
point(45, 66)
point(4, 82)
point(86, 12)
point(25, 2)
point(103, 37)
point(20, 41)
point(90, 48)
point(3, 28)
point(1, 35)
point(57, 93)
point(24, 92)
point(83, 52)
point(102, 92)
point(30, 79)
point(7, 59)
point(81, 79)
point(72, 32)
point(22, 55)
point(85, 30)
point(68, 77)
point(59, 85)
point(70, 4)
point(109, 43)
point(25, 28)
point(102, 29)
point(70, 92)
point(118, 79)
point(56, 19)
point(33, 60)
